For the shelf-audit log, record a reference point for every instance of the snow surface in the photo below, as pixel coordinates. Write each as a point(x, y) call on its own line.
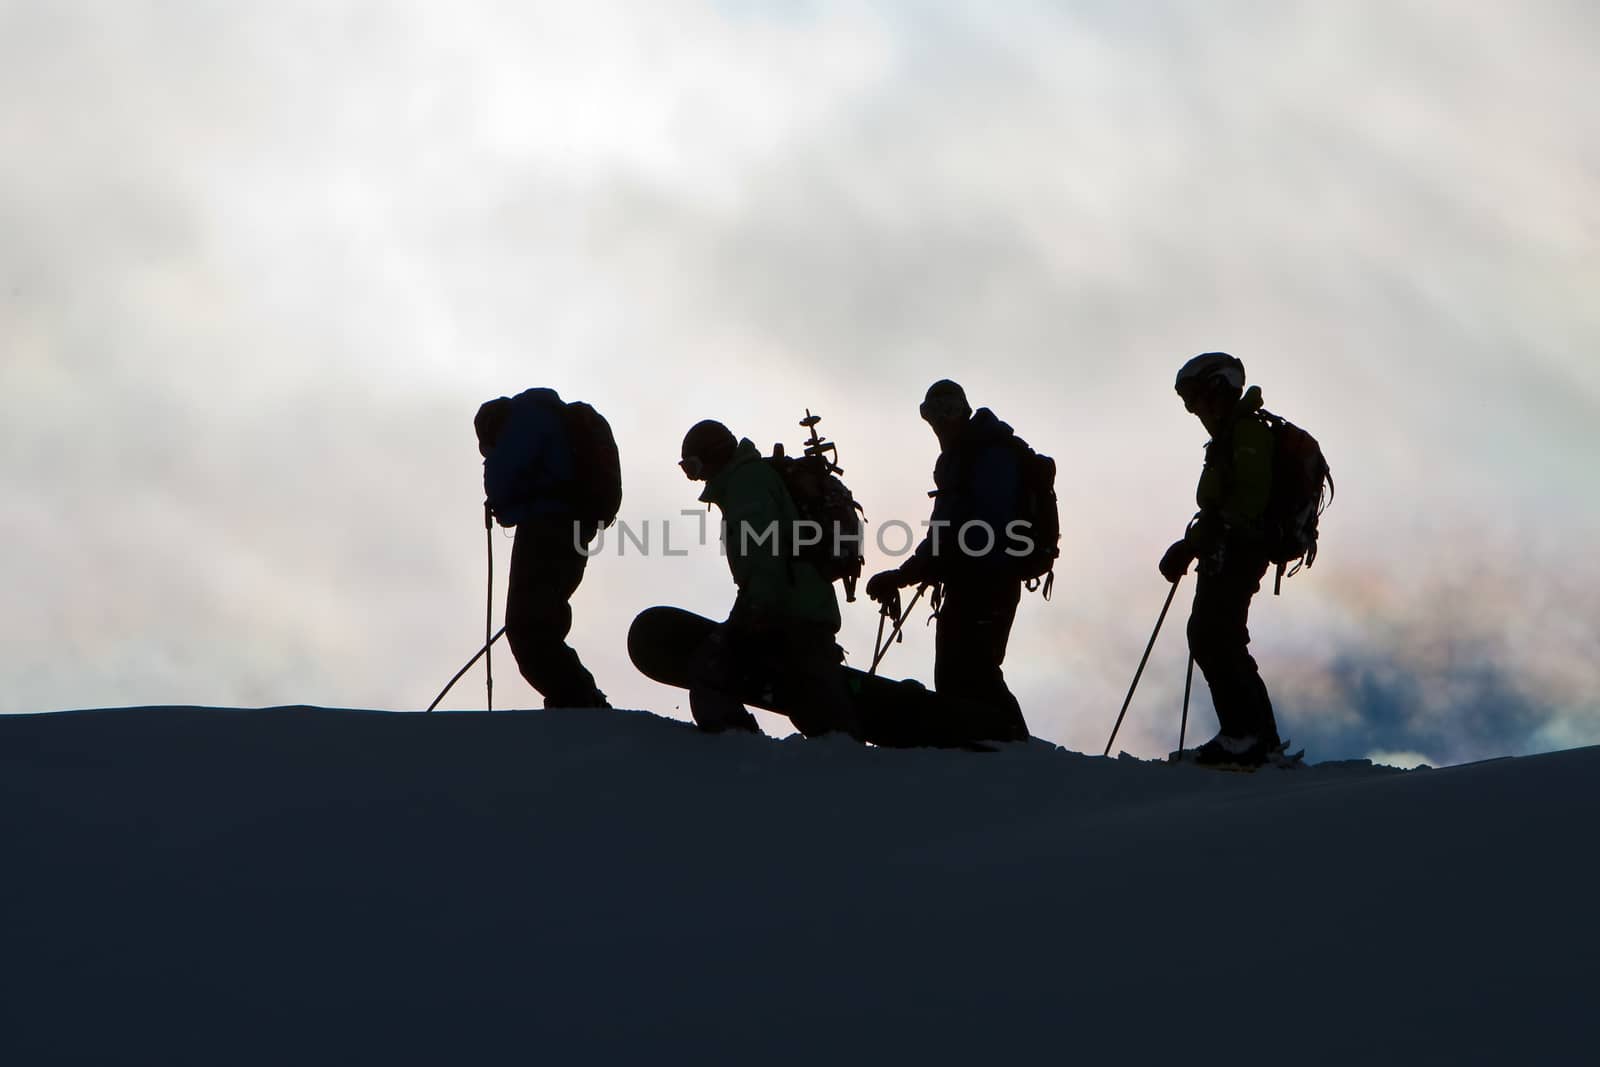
point(306, 886)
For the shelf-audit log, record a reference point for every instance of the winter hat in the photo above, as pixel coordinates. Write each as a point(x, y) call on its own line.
point(1210, 368)
point(945, 399)
point(710, 442)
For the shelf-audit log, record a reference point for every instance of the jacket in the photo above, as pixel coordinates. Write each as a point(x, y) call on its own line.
point(758, 520)
point(1236, 483)
point(976, 480)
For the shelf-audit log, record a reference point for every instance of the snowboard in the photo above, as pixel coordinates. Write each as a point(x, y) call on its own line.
point(893, 714)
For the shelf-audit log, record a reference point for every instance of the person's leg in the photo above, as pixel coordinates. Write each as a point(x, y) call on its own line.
point(812, 683)
point(973, 630)
point(546, 567)
point(716, 676)
point(1219, 638)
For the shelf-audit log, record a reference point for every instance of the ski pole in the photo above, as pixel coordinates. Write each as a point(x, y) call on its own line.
point(900, 622)
point(1143, 660)
point(1183, 725)
point(488, 611)
point(479, 655)
point(877, 642)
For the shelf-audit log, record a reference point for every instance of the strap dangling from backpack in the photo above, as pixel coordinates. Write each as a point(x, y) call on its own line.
point(1048, 582)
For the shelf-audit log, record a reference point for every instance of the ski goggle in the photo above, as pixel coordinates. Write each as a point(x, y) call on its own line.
point(944, 406)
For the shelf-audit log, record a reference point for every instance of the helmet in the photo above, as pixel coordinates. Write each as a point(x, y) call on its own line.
point(709, 442)
point(1209, 369)
point(945, 399)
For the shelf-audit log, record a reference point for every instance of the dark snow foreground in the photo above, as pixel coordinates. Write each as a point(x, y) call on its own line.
point(303, 886)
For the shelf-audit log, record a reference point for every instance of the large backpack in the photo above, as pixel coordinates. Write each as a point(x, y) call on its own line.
point(597, 468)
point(1037, 507)
point(1302, 488)
point(812, 480)
point(821, 498)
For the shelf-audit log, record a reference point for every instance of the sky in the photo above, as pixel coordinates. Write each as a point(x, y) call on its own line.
point(259, 264)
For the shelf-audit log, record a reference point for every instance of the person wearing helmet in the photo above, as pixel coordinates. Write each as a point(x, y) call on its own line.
point(1227, 537)
point(528, 472)
point(780, 634)
point(976, 480)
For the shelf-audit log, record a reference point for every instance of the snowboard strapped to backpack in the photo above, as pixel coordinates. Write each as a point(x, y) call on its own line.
point(1302, 489)
point(820, 498)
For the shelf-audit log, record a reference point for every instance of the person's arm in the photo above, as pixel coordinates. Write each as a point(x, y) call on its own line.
point(505, 471)
point(930, 560)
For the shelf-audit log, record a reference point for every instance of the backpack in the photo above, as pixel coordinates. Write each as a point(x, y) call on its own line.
point(821, 498)
point(597, 485)
point(1299, 474)
point(1037, 507)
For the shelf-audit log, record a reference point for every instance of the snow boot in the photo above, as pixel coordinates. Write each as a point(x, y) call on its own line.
point(1223, 751)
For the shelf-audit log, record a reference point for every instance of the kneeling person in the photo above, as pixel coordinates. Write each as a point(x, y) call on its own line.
point(780, 635)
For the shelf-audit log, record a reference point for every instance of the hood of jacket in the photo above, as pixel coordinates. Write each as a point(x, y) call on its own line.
point(985, 428)
point(716, 489)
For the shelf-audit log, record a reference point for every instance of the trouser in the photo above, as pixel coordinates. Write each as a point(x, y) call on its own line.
point(546, 566)
point(794, 668)
point(1219, 639)
point(974, 625)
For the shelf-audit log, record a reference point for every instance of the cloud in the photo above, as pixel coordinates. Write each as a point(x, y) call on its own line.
point(1406, 761)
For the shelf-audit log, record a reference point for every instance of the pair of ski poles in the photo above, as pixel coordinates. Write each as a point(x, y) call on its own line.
point(880, 647)
point(892, 607)
point(1188, 681)
point(488, 621)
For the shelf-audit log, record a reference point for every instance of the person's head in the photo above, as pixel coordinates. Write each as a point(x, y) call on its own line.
point(945, 409)
point(491, 418)
point(1210, 385)
point(707, 448)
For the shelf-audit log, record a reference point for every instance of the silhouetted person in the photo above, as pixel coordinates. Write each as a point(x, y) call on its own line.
point(780, 635)
point(1228, 540)
point(534, 478)
point(976, 481)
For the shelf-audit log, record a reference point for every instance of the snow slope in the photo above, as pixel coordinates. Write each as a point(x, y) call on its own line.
point(305, 886)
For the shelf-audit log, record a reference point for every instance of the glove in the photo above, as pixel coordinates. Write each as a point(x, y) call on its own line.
point(1175, 564)
point(883, 585)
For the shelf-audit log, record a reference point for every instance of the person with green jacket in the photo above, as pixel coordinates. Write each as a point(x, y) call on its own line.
point(1228, 538)
point(780, 635)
